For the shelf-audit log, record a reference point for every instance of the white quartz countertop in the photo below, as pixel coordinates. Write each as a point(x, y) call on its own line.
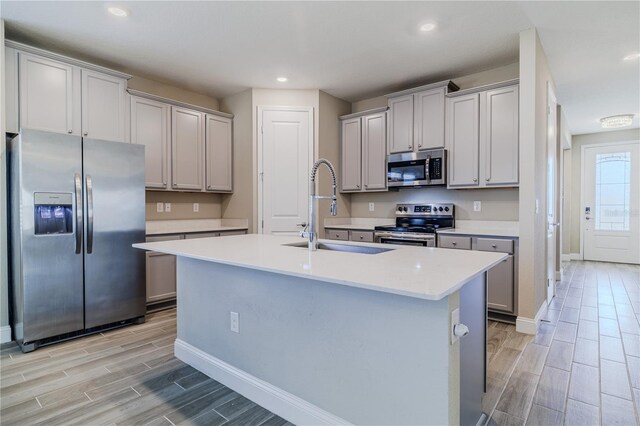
point(186, 226)
point(420, 272)
point(484, 228)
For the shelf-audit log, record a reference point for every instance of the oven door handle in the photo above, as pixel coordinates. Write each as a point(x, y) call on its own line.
point(404, 237)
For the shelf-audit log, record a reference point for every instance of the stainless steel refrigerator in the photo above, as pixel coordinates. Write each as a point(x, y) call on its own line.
point(76, 206)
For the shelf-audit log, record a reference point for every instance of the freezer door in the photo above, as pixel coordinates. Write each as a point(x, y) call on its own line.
point(114, 272)
point(46, 222)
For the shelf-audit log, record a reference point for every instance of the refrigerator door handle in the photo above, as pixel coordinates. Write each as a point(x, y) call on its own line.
point(89, 215)
point(79, 223)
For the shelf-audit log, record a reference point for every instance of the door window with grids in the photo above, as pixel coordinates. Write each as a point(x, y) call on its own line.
point(613, 181)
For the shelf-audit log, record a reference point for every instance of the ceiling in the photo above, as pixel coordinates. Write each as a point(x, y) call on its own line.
point(352, 50)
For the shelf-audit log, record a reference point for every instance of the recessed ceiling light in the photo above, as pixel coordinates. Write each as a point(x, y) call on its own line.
point(632, 56)
point(616, 121)
point(118, 11)
point(282, 79)
point(425, 28)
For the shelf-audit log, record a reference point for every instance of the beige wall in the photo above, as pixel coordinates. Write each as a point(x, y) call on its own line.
point(330, 108)
point(573, 184)
point(210, 205)
point(172, 92)
point(534, 76)
point(497, 204)
point(240, 204)
point(4, 297)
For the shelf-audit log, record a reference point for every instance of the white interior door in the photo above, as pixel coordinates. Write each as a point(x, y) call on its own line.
point(552, 224)
point(610, 195)
point(284, 153)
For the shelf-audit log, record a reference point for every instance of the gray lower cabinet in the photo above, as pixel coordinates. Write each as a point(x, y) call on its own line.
point(336, 234)
point(502, 278)
point(161, 267)
point(349, 235)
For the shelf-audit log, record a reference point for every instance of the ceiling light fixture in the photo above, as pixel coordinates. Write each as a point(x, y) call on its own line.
point(632, 56)
point(282, 79)
point(425, 28)
point(616, 121)
point(118, 11)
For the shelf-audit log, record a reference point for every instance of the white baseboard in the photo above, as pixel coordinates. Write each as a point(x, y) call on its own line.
point(290, 407)
point(575, 256)
point(530, 325)
point(565, 257)
point(558, 276)
point(5, 334)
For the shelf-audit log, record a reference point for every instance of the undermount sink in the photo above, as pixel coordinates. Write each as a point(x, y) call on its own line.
point(343, 247)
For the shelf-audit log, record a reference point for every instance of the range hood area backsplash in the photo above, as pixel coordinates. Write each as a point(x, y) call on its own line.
point(497, 203)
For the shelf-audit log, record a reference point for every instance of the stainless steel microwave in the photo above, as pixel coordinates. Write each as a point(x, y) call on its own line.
point(423, 168)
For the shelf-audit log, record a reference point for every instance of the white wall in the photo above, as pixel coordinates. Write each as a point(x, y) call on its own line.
point(534, 76)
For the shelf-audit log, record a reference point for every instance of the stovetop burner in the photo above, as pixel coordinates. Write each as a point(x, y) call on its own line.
point(421, 218)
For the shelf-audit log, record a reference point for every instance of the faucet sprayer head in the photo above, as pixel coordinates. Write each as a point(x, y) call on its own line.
point(334, 208)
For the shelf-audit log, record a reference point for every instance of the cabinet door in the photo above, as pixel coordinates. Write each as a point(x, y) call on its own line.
point(150, 127)
point(500, 286)
point(219, 153)
point(374, 151)
point(161, 277)
point(47, 95)
point(401, 124)
point(500, 136)
point(103, 106)
point(187, 140)
point(462, 140)
point(429, 118)
point(351, 154)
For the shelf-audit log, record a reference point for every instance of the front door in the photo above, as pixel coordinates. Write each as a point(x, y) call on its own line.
point(284, 153)
point(610, 208)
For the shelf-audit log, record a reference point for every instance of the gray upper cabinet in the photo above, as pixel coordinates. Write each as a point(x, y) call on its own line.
point(103, 106)
point(187, 143)
point(150, 121)
point(364, 152)
point(462, 141)
point(401, 124)
point(219, 153)
point(417, 117)
point(49, 93)
point(482, 137)
point(55, 93)
point(374, 152)
point(351, 154)
point(429, 118)
point(499, 140)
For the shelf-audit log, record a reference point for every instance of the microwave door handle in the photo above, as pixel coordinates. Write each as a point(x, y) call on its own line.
point(426, 169)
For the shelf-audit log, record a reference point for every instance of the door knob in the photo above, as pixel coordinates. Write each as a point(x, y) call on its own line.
point(303, 224)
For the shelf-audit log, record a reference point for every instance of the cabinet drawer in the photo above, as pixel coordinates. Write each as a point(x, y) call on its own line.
point(365, 236)
point(337, 234)
point(227, 233)
point(492, 244)
point(449, 241)
point(156, 238)
point(201, 235)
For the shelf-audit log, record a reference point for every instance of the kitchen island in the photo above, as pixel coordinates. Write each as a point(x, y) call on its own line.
point(333, 337)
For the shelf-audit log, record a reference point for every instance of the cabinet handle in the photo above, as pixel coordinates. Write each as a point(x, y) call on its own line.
point(366, 186)
point(357, 186)
point(493, 245)
point(86, 133)
point(70, 131)
point(410, 147)
point(419, 145)
point(454, 243)
point(488, 179)
point(361, 236)
point(475, 179)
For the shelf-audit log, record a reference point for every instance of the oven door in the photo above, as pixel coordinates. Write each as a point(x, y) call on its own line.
point(426, 240)
point(423, 168)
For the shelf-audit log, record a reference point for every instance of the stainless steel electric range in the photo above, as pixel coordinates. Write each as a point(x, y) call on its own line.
point(417, 224)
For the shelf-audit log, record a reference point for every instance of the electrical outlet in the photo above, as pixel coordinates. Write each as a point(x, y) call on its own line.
point(159, 207)
point(477, 206)
point(537, 206)
point(235, 322)
point(196, 207)
point(167, 207)
point(372, 207)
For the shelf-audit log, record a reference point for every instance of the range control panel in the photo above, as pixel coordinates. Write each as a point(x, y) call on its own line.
point(432, 209)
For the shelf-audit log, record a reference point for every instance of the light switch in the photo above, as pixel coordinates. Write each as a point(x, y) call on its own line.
point(159, 207)
point(167, 207)
point(196, 207)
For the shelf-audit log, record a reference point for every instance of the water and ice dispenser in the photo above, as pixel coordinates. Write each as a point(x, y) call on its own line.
point(53, 213)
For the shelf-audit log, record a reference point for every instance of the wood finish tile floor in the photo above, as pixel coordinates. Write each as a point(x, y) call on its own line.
point(126, 376)
point(582, 368)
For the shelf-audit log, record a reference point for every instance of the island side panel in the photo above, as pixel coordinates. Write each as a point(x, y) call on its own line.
point(367, 357)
